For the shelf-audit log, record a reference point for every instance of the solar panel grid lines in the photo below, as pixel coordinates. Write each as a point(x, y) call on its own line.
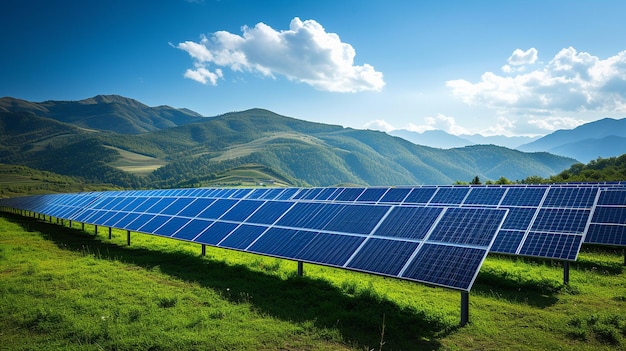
point(559, 212)
point(330, 239)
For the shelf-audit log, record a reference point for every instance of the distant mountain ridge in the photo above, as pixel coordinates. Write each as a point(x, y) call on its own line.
point(443, 140)
point(602, 138)
point(106, 112)
point(297, 151)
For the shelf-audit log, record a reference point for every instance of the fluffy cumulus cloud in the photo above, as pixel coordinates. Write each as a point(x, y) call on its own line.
point(571, 81)
point(304, 53)
point(519, 59)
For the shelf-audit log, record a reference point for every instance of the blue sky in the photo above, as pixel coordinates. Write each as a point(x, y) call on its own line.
point(490, 67)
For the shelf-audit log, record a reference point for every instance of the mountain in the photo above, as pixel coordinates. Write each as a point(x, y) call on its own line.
point(443, 140)
point(432, 138)
point(294, 151)
point(501, 140)
point(106, 112)
point(603, 138)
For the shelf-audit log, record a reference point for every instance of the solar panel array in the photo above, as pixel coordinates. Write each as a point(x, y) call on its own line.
point(437, 245)
point(608, 225)
point(543, 221)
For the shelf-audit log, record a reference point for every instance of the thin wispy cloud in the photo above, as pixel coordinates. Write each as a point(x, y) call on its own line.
point(572, 81)
point(304, 53)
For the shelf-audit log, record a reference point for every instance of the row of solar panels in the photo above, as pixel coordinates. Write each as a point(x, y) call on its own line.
point(442, 246)
point(542, 221)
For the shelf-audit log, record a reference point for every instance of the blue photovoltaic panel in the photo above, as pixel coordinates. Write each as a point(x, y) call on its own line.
point(570, 197)
point(519, 218)
point(331, 249)
point(269, 212)
point(192, 229)
point(606, 235)
point(328, 194)
point(358, 233)
point(612, 198)
point(284, 243)
point(241, 210)
point(396, 195)
point(420, 195)
point(524, 196)
point(467, 226)
point(215, 233)
point(450, 196)
point(242, 237)
point(171, 226)
point(144, 206)
point(372, 195)
point(410, 222)
point(349, 194)
point(139, 222)
point(196, 207)
point(217, 209)
point(484, 196)
point(177, 206)
point(160, 205)
point(309, 215)
point(608, 224)
point(561, 246)
point(359, 219)
point(383, 256)
point(507, 241)
point(609, 215)
point(450, 266)
point(561, 220)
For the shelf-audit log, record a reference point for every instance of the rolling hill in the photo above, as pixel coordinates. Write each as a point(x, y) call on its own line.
point(105, 112)
point(603, 138)
point(193, 153)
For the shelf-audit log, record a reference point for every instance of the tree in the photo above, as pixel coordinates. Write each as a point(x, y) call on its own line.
point(476, 181)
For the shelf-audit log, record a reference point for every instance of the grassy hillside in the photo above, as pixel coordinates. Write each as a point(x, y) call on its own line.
point(301, 152)
point(62, 288)
point(21, 181)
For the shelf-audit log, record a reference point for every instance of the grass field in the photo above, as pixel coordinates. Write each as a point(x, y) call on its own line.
point(135, 163)
point(64, 288)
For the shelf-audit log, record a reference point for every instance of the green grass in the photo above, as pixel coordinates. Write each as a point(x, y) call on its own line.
point(62, 288)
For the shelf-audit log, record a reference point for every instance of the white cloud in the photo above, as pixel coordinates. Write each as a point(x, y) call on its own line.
point(379, 124)
point(572, 81)
point(519, 59)
point(551, 124)
point(304, 53)
point(439, 122)
point(203, 75)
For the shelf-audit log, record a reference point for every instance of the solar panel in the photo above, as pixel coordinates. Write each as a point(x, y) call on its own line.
point(403, 241)
point(608, 224)
point(534, 210)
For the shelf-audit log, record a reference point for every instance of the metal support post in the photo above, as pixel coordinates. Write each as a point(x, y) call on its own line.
point(566, 272)
point(300, 269)
point(70, 223)
point(128, 237)
point(83, 226)
point(109, 233)
point(203, 250)
point(95, 230)
point(464, 308)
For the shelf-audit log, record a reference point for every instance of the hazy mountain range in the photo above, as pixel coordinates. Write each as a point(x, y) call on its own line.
point(603, 138)
point(121, 141)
